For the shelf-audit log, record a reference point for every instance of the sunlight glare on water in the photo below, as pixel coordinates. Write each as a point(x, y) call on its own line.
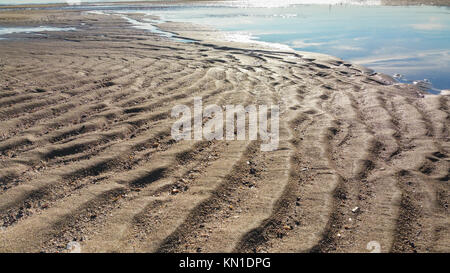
point(411, 41)
point(285, 3)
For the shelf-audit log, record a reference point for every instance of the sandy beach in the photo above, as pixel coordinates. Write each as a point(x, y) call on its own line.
point(86, 152)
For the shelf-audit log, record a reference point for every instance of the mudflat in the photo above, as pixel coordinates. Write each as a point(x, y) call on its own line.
point(86, 152)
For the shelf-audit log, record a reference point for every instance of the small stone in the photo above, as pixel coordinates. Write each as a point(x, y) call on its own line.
point(286, 227)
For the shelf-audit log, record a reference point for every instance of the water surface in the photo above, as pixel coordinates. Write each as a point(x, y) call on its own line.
point(11, 30)
point(412, 43)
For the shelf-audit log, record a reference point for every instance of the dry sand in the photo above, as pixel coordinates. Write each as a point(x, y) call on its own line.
point(86, 153)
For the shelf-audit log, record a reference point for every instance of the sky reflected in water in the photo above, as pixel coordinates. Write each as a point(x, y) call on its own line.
point(412, 41)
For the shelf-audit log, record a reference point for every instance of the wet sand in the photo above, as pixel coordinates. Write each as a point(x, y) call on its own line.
point(86, 153)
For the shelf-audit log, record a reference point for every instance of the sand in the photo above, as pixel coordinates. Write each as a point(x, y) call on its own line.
point(86, 153)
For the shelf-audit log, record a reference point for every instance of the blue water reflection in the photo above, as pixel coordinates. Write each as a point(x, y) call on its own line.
point(411, 41)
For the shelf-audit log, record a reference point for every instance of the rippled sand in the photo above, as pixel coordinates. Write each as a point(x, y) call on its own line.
point(86, 152)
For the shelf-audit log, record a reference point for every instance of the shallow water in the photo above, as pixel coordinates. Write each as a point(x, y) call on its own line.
point(10, 30)
point(411, 41)
point(150, 25)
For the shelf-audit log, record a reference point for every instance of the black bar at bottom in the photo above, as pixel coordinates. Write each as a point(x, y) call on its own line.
point(223, 262)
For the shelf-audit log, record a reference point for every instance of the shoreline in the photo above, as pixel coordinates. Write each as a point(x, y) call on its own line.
point(216, 36)
point(86, 152)
point(208, 34)
point(441, 3)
